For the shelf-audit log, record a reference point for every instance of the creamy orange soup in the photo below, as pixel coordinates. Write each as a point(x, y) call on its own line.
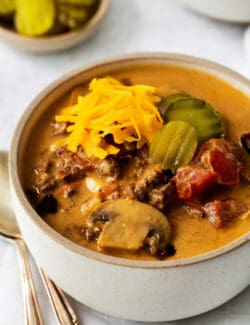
point(191, 235)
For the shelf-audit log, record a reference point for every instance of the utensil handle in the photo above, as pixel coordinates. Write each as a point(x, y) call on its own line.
point(32, 309)
point(64, 313)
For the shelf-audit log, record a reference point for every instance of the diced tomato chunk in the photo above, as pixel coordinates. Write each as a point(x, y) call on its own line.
point(214, 163)
point(218, 144)
point(220, 213)
point(217, 155)
point(226, 166)
point(193, 181)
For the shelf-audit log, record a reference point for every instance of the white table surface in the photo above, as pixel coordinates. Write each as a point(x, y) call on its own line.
point(131, 26)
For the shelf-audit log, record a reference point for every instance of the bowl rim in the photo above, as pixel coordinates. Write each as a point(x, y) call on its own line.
point(216, 13)
point(61, 37)
point(185, 60)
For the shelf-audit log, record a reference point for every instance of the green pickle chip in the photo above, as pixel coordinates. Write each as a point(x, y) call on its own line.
point(174, 145)
point(34, 18)
point(167, 101)
point(72, 17)
point(204, 118)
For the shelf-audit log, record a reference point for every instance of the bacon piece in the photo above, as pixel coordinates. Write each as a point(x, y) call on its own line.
point(214, 163)
point(226, 166)
point(220, 213)
point(193, 181)
point(218, 144)
point(218, 155)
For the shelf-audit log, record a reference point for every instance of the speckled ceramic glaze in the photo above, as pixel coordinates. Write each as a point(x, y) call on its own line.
point(137, 290)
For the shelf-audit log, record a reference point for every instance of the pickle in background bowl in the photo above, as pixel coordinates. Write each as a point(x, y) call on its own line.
point(7, 7)
point(42, 17)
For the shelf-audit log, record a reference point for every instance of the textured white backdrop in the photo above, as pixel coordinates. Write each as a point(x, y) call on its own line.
point(131, 26)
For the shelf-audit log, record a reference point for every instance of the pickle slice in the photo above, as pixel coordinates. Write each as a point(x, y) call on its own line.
point(34, 18)
point(174, 145)
point(167, 101)
point(7, 7)
point(205, 119)
point(73, 17)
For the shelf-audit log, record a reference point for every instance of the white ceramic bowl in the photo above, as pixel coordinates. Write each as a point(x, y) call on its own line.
point(137, 290)
point(237, 11)
point(57, 42)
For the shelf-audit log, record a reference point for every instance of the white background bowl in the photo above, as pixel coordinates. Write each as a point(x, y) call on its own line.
point(237, 11)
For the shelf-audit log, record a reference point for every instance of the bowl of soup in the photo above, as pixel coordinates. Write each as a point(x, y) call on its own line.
point(130, 182)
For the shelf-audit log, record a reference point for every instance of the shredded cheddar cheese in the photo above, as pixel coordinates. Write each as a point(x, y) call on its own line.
point(128, 113)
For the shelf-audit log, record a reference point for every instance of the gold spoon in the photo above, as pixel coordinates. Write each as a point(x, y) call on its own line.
point(9, 230)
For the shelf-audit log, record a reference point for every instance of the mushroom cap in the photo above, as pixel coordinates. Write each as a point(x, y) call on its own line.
point(128, 225)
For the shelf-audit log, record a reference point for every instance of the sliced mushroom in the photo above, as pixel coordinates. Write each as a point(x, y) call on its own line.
point(129, 225)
